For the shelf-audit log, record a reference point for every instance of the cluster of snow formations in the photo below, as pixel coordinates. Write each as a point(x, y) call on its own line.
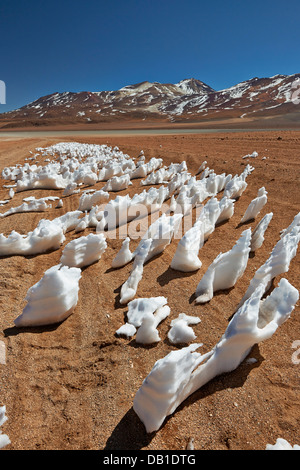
point(145, 314)
point(183, 372)
point(156, 238)
point(143, 169)
point(215, 212)
point(259, 232)
point(83, 251)
point(160, 233)
point(75, 164)
point(189, 190)
point(177, 182)
point(52, 299)
point(4, 439)
point(237, 185)
point(123, 209)
point(192, 191)
point(164, 174)
point(282, 444)
point(225, 270)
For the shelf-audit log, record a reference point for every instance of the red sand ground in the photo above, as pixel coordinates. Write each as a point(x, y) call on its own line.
point(71, 386)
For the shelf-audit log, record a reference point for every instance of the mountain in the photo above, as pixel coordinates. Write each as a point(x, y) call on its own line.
point(190, 100)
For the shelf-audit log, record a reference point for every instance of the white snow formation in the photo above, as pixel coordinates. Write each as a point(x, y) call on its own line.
point(83, 251)
point(71, 167)
point(129, 288)
point(46, 198)
point(186, 257)
point(164, 174)
point(123, 256)
point(226, 206)
point(123, 209)
point(259, 232)
point(117, 183)
point(73, 163)
point(201, 167)
point(71, 188)
point(137, 308)
point(184, 371)
point(226, 269)
point(2, 203)
point(4, 439)
point(282, 444)
point(145, 314)
point(127, 330)
point(180, 331)
point(147, 333)
point(160, 233)
point(255, 205)
point(251, 155)
point(48, 235)
point(279, 260)
point(33, 206)
point(215, 212)
point(52, 299)
point(237, 185)
point(87, 200)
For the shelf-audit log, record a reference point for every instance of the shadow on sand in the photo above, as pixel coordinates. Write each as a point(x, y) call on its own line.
point(130, 432)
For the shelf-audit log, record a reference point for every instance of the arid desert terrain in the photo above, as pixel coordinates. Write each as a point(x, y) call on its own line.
point(71, 385)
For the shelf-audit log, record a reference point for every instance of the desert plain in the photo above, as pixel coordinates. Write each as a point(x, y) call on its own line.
point(70, 386)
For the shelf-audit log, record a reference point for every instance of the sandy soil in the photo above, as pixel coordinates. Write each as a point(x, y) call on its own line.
point(71, 385)
point(287, 121)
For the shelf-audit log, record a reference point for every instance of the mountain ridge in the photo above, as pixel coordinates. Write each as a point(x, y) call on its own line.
point(188, 100)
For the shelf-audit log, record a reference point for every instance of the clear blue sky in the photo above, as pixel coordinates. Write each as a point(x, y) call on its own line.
point(95, 45)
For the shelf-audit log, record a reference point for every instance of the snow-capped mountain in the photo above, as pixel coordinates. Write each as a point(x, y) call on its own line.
point(188, 100)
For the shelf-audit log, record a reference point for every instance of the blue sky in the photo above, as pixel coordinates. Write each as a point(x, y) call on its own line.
point(50, 46)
